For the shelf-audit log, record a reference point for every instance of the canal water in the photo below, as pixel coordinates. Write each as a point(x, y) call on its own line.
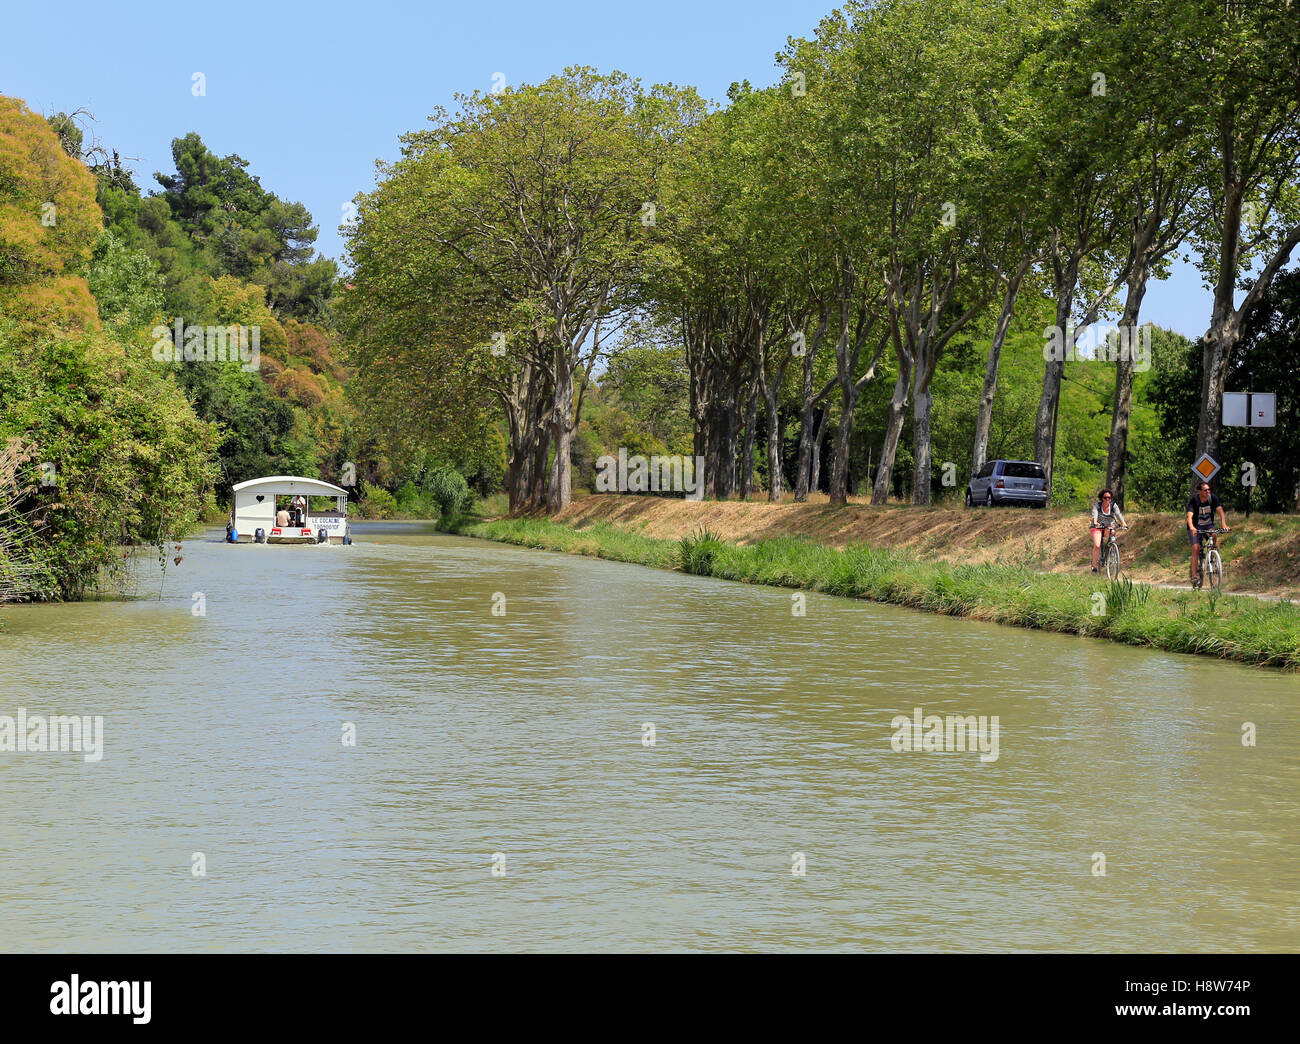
point(503, 791)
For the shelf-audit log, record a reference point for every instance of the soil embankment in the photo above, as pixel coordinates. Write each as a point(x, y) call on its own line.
point(1261, 555)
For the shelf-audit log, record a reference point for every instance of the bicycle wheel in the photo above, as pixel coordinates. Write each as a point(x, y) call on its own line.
point(1112, 562)
point(1213, 568)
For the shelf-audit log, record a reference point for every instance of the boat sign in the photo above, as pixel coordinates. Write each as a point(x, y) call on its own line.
point(332, 524)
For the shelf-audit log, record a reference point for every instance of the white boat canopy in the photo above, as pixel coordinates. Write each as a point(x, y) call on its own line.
point(268, 510)
point(295, 484)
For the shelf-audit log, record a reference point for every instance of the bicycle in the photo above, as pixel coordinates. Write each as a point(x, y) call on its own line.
point(1110, 553)
point(1209, 561)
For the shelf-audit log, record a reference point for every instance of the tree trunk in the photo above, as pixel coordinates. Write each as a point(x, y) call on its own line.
point(921, 402)
point(893, 429)
point(526, 401)
point(713, 458)
point(720, 460)
point(819, 435)
point(702, 446)
point(1224, 330)
point(747, 451)
point(1215, 355)
point(560, 491)
point(801, 481)
point(535, 499)
point(1045, 419)
point(839, 488)
point(807, 405)
point(1226, 324)
point(984, 415)
point(518, 458)
point(699, 366)
point(1117, 445)
point(775, 480)
point(771, 392)
point(1122, 405)
point(730, 433)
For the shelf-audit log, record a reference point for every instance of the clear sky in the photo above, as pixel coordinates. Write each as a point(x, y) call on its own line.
point(311, 94)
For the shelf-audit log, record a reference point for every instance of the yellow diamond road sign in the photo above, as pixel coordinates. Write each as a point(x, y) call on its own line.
point(1206, 467)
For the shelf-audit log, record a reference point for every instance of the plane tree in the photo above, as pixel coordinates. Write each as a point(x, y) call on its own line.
point(1243, 90)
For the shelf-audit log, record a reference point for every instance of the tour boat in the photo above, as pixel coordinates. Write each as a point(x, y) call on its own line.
point(253, 513)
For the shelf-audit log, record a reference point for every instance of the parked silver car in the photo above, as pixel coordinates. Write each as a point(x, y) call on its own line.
point(1008, 482)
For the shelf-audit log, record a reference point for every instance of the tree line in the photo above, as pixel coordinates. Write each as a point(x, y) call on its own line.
point(921, 176)
point(101, 446)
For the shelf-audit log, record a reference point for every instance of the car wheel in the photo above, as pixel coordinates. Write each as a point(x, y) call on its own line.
point(988, 500)
point(969, 502)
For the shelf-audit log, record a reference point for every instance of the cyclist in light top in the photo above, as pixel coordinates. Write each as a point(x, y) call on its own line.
point(1105, 516)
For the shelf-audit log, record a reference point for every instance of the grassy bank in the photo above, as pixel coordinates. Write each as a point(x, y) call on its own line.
point(1262, 553)
point(1236, 628)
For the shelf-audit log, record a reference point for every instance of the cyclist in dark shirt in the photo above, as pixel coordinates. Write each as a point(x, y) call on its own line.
point(1200, 520)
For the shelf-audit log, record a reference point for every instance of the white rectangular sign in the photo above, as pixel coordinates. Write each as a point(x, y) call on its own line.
point(1263, 410)
point(1249, 410)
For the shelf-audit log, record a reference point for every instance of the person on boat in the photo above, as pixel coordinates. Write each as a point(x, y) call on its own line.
point(1106, 515)
point(299, 510)
point(282, 518)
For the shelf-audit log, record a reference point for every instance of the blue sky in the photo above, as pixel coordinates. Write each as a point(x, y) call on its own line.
point(311, 94)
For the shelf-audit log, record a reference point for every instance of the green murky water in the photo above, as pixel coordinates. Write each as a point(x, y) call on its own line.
point(522, 735)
